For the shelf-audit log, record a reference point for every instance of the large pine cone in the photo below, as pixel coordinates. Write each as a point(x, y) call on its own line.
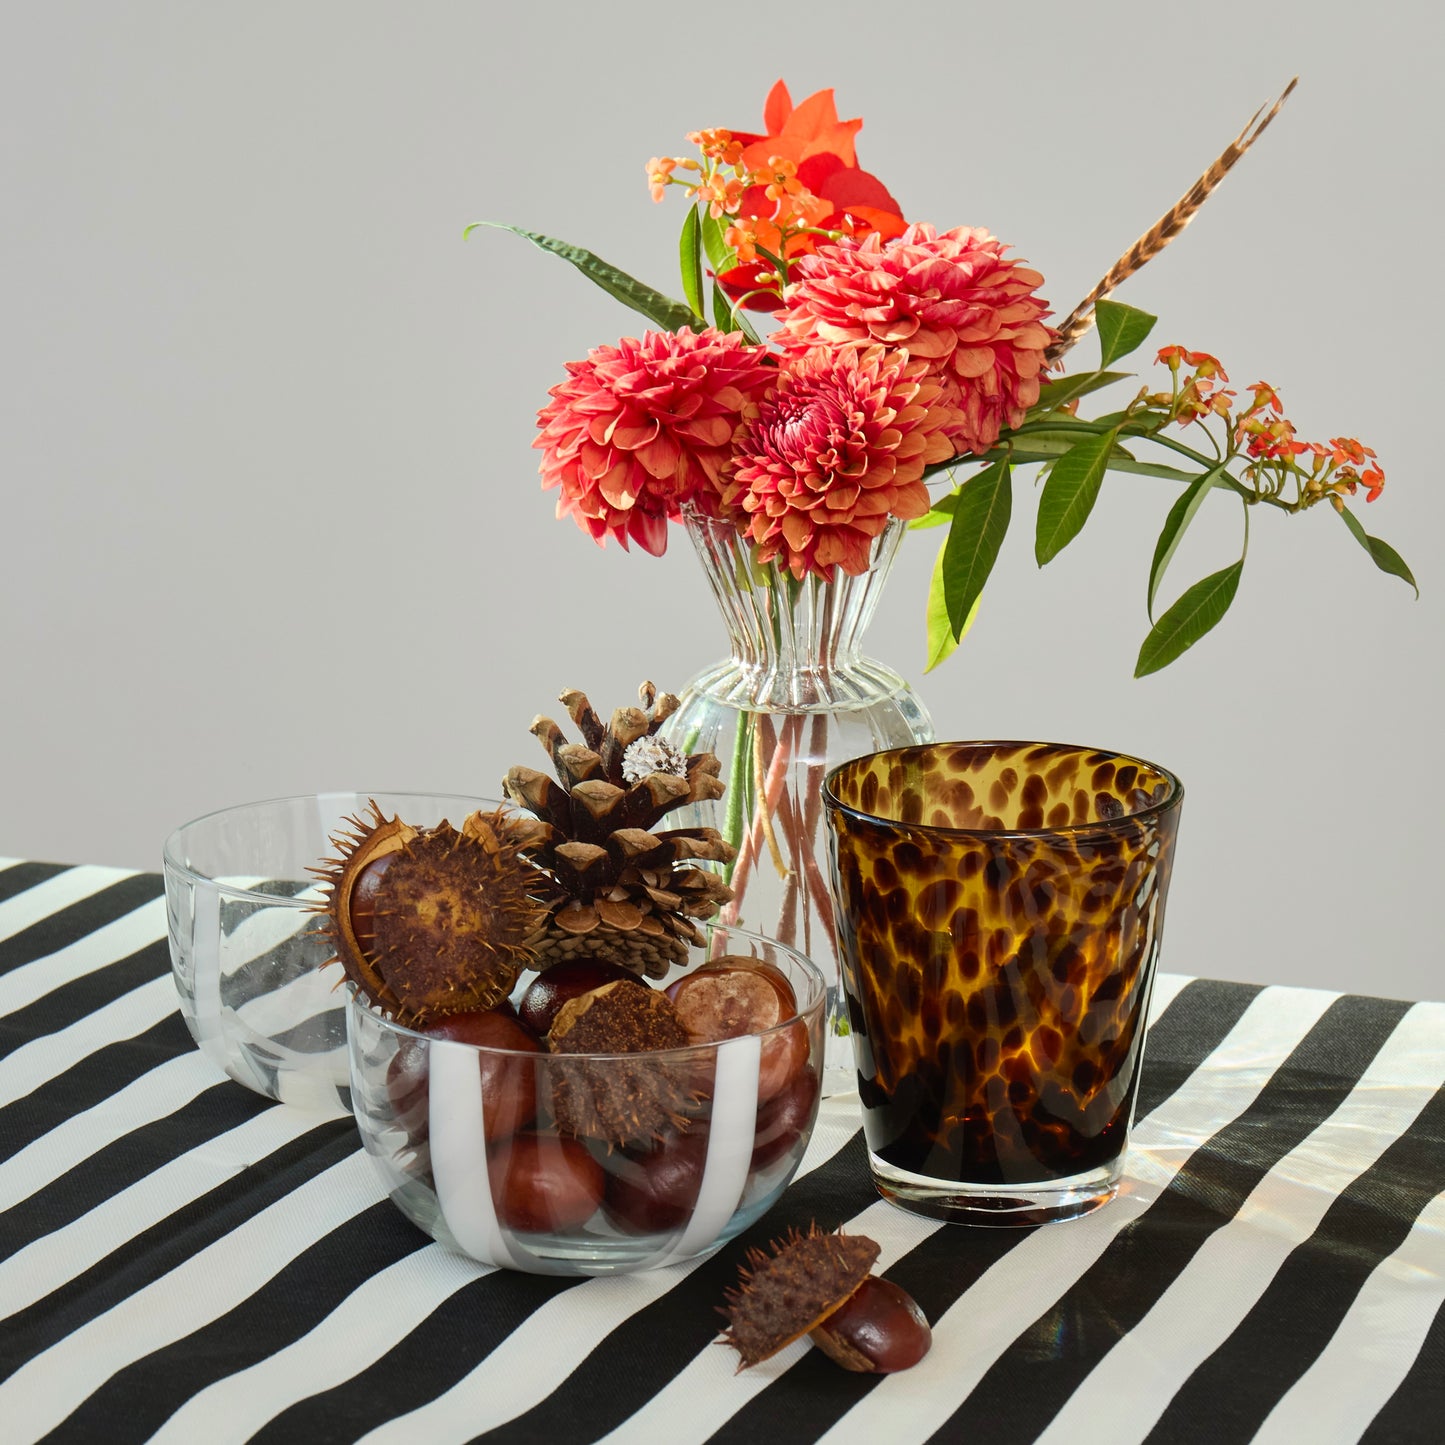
point(626, 891)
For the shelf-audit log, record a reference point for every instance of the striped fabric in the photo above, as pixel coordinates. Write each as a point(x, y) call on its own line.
point(181, 1261)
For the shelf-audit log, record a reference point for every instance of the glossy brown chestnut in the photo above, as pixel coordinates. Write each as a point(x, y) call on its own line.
point(736, 996)
point(406, 1087)
point(363, 900)
point(654, 1193)
point(783, 1118)
point(878, 1329)
point(509, 1085)
point(542, 1184)
point(550, 990)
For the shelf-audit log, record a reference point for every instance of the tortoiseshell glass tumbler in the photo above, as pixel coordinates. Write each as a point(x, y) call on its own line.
point(1000, 906)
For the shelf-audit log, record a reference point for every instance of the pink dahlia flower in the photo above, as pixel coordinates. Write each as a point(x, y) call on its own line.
point(836, 449)
point(640, 428)
point(951, 299)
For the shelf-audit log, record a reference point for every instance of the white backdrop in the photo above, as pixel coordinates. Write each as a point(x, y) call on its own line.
point(270, 518)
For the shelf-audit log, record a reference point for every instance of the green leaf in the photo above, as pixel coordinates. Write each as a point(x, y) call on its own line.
point(936, 517)
point(729, 318)
point(722, 311)
point(689, 255)
point(1194, 614)
point(1386, 558)
point(1054, 394)
point(941, 639)
point(720, 256)
point(1069, 495)
point(980, 522)
point(1181, 514)
point(667, 313)
point(1122, 329)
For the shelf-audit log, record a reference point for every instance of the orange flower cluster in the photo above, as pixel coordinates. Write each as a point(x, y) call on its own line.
point(1335, 469)
point(782, 191)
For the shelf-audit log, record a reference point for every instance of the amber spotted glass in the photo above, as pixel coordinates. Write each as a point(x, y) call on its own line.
point(999, 914)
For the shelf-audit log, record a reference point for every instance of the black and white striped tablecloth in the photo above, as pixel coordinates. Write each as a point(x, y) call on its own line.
point(181, 1261)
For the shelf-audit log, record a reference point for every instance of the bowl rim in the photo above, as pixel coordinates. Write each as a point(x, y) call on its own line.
point(356, 1000)
point(1100, 828)
point(172, 864)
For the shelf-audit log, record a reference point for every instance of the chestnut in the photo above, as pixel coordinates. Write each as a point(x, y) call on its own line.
point(783, 1118)
point(734, 996)
point(509, 1085)
point(878, 1329)
point(654, 1193)
point(544, 1184)
point(544, 997)
point(821, 1284)
point(363, 901)
point(406, 1086)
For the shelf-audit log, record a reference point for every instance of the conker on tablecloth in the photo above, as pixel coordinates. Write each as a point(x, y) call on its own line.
point(806, 1286)
point(877, 1330)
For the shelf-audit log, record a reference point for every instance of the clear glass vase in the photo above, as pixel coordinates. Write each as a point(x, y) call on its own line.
point(795, 697)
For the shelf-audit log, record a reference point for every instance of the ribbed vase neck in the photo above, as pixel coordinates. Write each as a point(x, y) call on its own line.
point(796, 643)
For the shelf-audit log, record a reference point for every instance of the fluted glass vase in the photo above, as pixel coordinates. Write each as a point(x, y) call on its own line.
point(795, 696)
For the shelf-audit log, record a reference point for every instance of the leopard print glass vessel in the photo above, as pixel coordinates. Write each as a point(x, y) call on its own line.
point(999, 914)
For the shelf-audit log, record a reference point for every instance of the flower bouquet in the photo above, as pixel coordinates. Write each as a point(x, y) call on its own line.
point(829, 374)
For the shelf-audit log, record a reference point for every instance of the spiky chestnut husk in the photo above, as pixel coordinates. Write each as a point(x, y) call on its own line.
point(620, 1100)
point(430, 922)
point(782, 1296)
point(623, 892)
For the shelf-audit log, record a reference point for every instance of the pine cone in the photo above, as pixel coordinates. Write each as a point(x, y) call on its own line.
point(624, 891)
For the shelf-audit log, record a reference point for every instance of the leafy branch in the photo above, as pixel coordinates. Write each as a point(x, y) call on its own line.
point(1257, 459)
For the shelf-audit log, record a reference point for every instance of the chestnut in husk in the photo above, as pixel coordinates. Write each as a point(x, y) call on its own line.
point(820, 1285)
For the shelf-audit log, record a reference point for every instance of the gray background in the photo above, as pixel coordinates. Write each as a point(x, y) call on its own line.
point(271, 521)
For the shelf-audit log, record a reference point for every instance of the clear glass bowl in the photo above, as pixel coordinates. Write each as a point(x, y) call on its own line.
point(467, 1139)
point(247, 945)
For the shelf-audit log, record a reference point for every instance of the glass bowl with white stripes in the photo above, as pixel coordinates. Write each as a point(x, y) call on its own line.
point(512, 1158)
point(247, 945)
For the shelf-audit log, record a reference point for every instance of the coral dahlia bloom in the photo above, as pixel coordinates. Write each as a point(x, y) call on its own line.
point(951, 299)
point(836, 449)
point(640, 428)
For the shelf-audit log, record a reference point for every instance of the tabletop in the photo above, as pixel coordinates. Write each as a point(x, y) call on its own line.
point(181, 1260)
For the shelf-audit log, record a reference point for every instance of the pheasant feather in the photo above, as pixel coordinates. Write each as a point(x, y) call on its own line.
point(1165, 229)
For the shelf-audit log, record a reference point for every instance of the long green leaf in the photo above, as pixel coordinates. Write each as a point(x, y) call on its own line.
point(1054, 394)
point(1181, 514)
point(728, 317)
point(1122, 329)
point(1385, 557)
point(667, 313)
point(1069, 494)
point(720, 256)
point(980, 522)
point(941, 639)
point(722, 311)
point(1198, 610)
point(1023, 453)
point(689, 255)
